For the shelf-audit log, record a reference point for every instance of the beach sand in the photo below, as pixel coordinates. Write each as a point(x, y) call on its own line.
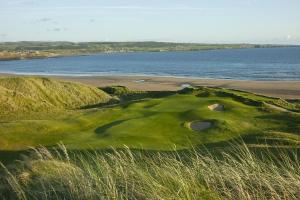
point(281, 89)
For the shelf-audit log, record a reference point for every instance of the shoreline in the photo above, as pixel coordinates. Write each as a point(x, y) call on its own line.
point(8, 54)
point(280, 89)
point(103, 75)
point(60, 55)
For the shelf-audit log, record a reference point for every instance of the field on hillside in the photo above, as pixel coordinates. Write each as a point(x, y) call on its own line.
point(142, 120)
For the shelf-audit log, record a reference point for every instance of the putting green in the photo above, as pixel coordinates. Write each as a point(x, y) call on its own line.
point(156, 124)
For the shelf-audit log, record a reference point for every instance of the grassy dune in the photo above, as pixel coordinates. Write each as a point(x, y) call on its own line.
point(238, 173)
point(24, 96)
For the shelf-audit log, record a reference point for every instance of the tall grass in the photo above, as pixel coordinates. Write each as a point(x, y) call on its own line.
point(21, 97)
point(125, 174)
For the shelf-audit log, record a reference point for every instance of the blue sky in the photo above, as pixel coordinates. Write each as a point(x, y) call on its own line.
point(213, 21)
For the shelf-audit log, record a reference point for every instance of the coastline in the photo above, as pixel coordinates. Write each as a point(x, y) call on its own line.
point(54, 49)
point(279, 89)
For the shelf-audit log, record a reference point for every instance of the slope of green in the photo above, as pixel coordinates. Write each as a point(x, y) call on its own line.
point(158, 123)
point(42, 95)
point(245, 97)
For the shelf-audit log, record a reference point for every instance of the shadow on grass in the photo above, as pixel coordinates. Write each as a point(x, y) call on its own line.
point(7, 157)
point(112, 102)
point(211, 149)
point(291, 121)
point(101, 131)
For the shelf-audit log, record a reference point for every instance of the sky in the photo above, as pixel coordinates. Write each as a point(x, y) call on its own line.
point(210, 21)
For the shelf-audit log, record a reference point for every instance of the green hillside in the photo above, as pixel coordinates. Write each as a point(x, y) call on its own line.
point(147, 120)
point(21, 96)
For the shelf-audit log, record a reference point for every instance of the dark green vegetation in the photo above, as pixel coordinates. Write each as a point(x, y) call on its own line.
point(28, 50)
point(147, 120)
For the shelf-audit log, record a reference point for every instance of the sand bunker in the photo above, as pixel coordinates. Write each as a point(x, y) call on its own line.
point(139, 81)
point(200, 126)
point(216, 107)
point(185, 85)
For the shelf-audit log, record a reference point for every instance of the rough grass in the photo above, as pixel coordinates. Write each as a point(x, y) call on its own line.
point(20, 95)
point(238, 173)
point(125, 95)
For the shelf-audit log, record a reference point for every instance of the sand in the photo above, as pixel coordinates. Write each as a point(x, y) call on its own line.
point(200, 126)
point(216, 107)
point(280, 89)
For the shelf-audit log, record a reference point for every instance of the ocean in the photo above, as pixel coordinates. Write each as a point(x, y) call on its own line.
point(237, 64)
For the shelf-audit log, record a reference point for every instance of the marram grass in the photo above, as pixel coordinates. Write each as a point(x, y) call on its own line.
point(27, 95)
point(238, 173)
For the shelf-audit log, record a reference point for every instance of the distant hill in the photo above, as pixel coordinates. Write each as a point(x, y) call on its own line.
point(27, 94)
point(30, 50)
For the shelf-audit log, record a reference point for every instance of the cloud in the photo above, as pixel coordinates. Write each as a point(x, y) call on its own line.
point(3, 35)
point(22, 3)
point(45, 19)
point(58, 29)
point(183, 8)
point(130, 7)
point(247, 2)
point(92, 20)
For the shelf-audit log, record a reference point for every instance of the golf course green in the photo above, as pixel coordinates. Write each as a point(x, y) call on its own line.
point(157, 121)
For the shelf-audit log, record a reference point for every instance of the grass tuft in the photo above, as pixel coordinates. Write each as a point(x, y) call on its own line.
point(238, 173)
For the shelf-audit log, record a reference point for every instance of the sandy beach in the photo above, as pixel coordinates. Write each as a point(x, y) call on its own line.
point(280, 89)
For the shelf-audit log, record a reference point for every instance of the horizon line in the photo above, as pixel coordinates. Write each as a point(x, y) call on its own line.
point(154, 41)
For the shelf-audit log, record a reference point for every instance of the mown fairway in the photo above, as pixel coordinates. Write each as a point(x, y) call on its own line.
point(155, 124)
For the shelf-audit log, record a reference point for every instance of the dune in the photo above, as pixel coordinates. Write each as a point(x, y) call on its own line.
point(27, 94)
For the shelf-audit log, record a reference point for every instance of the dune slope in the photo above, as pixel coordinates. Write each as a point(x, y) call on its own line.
point(27, 94)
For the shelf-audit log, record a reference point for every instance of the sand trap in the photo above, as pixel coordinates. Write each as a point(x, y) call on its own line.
point(200, 126)
point(185, 85)
point(216, 107)
point(139, 81)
